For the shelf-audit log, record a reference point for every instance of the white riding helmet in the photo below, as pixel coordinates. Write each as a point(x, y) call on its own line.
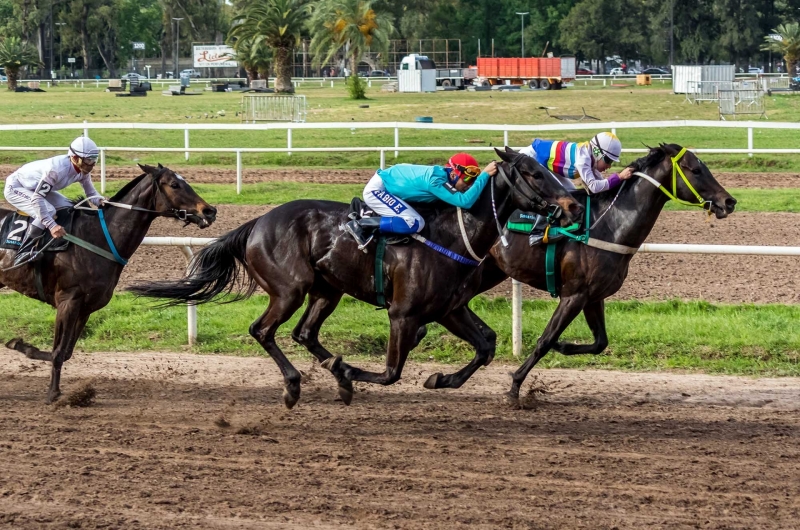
point(606, 144)
point(84, 147)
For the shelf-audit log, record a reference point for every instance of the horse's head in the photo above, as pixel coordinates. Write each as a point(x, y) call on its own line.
point(174, 195)
point(534, 189)
point(687, 178)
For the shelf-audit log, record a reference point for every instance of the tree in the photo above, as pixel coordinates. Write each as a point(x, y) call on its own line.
point(349, 25)
point(15, 55)
point(254, 59)
point(786, 41)
point(279, 25)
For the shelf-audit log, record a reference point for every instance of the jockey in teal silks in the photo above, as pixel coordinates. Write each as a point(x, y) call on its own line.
point(578, 165)
point(459, 183)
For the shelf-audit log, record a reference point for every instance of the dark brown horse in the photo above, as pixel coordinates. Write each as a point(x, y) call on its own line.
point(299, 249)
point(588, 275)
point(78, 282)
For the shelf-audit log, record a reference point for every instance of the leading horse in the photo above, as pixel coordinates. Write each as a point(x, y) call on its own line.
point(78, 282)
point(620, 223)
point(299, 250)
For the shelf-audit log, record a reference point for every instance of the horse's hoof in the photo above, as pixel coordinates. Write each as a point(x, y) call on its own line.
point(52, 397)
point(346, 392)
point(13, 343)
point(511, 399)
point(433, 381)
point(291, 394)
point(332, 364)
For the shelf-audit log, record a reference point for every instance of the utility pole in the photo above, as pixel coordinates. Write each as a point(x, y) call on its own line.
point(671, 32)
point(522, 34)
point(177, 45)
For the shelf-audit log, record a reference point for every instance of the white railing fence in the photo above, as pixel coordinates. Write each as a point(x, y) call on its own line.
point(185, 244)
point(749, 126)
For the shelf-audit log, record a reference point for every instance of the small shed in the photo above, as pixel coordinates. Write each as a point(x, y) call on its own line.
point(417, 74)
point(690, 76)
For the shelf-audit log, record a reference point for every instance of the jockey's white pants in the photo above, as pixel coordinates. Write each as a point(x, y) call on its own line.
point(387, 205)
point(23, 200)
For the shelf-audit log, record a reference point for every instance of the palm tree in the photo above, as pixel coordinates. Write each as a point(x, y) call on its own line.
point(279, 25)
point(254, 59)
point(15, 55)
point(786, 41)
point(350, 24)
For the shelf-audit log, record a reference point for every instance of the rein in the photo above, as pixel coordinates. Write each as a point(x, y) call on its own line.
point(677, 170)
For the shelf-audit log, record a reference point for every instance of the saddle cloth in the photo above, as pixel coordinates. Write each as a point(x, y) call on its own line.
point(13, 228)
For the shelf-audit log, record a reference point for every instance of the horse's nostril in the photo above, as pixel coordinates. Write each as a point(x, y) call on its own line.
point(210, 211)
point(730, 204)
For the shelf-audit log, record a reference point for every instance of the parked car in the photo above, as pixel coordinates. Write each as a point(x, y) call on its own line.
point(191, 72)
point(378, 73)
point(633, 71)
point(584, 71)
point(755, 70)
point(3, 79)
point(134, 76)
point(616, 71)
point(655, 71)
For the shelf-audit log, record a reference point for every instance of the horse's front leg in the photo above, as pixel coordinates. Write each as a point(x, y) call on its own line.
point(70, 321)
point(402, 338)
point(466, 325)
point(595, 313)
point(568, 308)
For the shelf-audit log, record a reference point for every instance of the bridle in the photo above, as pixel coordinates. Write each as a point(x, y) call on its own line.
point(521, 186)
point(677, 170)
point(176, 213)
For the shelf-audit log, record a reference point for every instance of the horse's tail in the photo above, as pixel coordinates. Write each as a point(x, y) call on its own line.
point(217, 269)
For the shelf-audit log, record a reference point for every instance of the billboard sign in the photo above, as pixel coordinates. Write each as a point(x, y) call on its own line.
point(214, 56)
point(138, 46)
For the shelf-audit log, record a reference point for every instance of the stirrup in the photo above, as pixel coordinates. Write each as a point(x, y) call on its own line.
point(363, 248)
point(535, 239)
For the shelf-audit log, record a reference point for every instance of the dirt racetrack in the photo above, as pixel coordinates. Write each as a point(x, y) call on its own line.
point(595, 450)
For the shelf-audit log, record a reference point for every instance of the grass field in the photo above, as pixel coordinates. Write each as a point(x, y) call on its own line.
point(71, 105)
point(742, 339)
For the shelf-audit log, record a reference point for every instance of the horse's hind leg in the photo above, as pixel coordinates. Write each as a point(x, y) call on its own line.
point(568, 308)
point(280, 309)
point(596, 319)
point(465, 324)
point(322, 301)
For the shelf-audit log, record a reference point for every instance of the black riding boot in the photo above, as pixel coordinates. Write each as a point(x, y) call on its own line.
point(363, 230)
point(28, 250)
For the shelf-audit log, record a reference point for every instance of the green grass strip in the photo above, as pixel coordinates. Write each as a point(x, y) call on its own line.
point(697, 336)
point(749, 200)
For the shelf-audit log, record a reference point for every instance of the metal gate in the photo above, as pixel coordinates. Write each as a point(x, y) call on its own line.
point(260, 107)
point(697, 91)
point(733, 103)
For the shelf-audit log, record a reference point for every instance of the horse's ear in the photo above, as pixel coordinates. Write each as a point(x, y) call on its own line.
point(160, 166)
point(147, 169)
point(511, 151)
point(505, 156)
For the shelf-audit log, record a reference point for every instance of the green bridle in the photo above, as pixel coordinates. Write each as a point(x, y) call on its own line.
point(677, 170)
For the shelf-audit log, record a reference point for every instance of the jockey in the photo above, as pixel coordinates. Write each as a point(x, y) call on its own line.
point(578, 165)
point(459, 183)
point(33, 189)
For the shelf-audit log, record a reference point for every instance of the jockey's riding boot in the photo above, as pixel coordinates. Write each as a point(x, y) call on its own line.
point(535, 238)
point(363, 230)
point(28, 250)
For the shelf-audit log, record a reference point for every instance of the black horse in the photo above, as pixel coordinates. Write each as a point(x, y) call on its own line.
point(299, 249)
point(78, 282)
point(588, 274)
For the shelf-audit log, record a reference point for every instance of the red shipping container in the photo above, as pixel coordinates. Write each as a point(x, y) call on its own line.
point(488, 67)
point(551, 67)
point(509, 68)
point(529, 67)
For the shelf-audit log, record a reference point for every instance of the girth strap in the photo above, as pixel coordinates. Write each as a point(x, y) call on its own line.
point(379, 252)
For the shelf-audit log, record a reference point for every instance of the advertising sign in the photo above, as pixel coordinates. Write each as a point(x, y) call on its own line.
point(213, 56)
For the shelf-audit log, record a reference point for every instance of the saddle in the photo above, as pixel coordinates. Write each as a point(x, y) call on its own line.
point(359, 210)
point(14, 227)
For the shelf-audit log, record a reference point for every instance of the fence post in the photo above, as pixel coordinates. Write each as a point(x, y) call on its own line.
point(516, 318)
point(383, 159)
point(505, 138)
point(396, 140)
point(85, 129)
point(289, 141)
point(331, 83)
point(102, 170)
point(186, 142)
point(190, 308)
point(750, 141)
point(238, 172)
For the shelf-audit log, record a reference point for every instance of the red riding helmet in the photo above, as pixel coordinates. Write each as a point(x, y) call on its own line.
point(464, 166)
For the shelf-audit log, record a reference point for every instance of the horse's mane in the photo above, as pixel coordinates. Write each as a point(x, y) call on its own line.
point(654, 157)
point(128, 187)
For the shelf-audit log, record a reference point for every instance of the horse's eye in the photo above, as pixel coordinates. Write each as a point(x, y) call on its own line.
point(175, 185)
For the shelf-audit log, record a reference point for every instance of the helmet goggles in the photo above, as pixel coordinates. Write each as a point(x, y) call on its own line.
point(466, 173)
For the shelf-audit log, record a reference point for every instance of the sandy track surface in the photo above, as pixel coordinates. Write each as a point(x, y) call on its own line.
point(594, 449)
